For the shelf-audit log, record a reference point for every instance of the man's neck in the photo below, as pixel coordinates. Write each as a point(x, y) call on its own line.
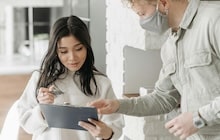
point(176, 12)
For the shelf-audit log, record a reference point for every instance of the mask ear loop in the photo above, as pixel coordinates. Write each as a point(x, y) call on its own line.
point(157, 7)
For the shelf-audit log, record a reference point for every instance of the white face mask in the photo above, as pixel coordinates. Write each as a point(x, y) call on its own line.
point(156, 23)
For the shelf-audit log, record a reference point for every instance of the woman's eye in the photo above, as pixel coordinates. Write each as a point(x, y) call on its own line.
point(78, 49)
point(63, 52)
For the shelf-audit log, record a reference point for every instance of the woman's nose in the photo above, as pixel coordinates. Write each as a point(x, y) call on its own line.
point(72, 56)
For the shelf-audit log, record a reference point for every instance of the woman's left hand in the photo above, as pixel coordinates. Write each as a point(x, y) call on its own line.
point(98, 129)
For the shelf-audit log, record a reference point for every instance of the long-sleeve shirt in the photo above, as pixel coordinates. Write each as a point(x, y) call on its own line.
point(190, 74)
point(32, 121)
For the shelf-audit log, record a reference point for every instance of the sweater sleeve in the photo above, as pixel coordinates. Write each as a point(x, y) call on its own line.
point(162, 100)
point(29, 113)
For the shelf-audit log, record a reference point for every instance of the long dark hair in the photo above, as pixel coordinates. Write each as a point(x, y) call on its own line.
point(52, 68)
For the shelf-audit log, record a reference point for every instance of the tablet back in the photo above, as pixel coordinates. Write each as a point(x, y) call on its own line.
point(67, 116)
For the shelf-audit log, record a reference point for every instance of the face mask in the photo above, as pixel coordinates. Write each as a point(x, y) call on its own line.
point(156, 23)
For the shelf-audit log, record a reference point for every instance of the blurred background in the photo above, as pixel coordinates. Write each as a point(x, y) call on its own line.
point(25, 25)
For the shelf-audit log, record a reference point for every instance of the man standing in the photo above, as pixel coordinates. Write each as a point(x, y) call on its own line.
point(190, 76)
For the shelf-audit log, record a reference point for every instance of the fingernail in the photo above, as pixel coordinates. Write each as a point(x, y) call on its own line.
point(79, 123)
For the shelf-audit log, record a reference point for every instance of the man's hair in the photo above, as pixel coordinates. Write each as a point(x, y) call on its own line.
point(129, 3)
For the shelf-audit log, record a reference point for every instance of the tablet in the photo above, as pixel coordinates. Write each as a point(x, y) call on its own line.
point(67, 116)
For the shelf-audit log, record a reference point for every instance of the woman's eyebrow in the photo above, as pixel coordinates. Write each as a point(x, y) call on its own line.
point(61, 47)
point(75, 45)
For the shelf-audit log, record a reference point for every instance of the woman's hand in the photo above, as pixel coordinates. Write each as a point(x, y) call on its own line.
point(97, 128)
point(45, 96)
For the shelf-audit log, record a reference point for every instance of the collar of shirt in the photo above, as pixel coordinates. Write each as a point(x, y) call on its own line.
point(189, 13)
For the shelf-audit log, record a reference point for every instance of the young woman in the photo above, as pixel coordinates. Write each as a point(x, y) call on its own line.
point(69, 68)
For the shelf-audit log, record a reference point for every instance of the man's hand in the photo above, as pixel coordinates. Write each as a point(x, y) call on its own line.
point(182, 126)
point(105, 106)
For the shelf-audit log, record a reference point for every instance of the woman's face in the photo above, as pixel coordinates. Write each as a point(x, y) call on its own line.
point(143, 8)
point(71, 53)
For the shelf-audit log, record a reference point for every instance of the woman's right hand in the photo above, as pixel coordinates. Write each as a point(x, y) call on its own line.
point(45, 96)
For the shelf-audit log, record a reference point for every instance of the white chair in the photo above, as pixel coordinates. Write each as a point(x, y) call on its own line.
point(11, 126)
